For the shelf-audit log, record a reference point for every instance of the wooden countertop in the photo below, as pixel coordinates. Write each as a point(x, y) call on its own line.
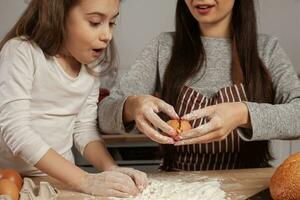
point(238, 184)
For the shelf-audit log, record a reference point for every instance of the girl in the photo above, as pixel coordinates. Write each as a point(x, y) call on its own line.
point(238, 89)
point(49, 95)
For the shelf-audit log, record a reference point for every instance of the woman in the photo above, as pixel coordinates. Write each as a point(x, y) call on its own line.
point(237, 88)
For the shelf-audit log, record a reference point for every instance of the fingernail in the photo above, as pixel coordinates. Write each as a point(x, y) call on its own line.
point(178, 137)
point(173, 133)
point(175, 116)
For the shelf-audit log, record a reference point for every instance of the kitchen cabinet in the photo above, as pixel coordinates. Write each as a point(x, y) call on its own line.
point(130, 150)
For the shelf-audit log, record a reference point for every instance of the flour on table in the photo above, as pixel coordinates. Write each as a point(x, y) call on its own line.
point(179, 190)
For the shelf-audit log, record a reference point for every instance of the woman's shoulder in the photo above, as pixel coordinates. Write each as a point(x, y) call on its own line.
point(267, 46)
point(267, 41)
point(165, 38)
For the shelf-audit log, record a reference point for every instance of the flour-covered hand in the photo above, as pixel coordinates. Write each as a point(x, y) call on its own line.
point(222, 120)
point(108, 184)
point(144, 111)
point(139, 177)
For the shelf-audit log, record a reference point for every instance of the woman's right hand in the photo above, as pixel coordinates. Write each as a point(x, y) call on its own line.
point(108, 184)
point(143, 110)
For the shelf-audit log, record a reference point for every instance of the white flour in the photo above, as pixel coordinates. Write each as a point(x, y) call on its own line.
point(179, 190)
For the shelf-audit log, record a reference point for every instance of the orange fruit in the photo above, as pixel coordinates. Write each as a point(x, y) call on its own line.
point(13, 176)
point(7, 187)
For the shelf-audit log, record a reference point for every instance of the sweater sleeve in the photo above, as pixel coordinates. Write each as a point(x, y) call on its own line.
point(281, 120)
point(16, 77)
point(85, 129)
point(139, 80)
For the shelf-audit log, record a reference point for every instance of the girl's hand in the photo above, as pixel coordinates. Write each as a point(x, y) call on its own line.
point(222, 120)
point(139, 177)
point(108, 184)
point(143, 110)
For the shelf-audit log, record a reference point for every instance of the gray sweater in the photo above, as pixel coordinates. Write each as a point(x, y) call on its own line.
point(279, 121)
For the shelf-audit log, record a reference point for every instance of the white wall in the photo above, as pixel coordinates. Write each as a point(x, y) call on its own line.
point(141, 20)
point(10, 10)
point(282, 19)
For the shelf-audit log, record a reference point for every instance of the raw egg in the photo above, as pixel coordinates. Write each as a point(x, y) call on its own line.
point(180, 125)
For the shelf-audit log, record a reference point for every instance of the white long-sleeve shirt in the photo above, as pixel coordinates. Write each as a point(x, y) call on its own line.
point(42, 107)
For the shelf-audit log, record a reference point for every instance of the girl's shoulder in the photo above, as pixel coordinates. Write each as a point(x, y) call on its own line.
point(19, 45)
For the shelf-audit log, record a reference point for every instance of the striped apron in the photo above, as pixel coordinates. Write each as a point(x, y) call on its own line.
point(211, 156)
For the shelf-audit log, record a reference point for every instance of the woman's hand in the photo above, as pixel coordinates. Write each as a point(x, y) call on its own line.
point(222, 120)
point(143, 110)
point(139, 177)
point(108, 184)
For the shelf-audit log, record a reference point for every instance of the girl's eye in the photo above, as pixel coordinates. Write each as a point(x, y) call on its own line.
point(94, 24)
point(112, 24)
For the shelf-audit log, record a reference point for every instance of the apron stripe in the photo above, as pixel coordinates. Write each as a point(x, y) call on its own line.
point(195, 104)
point(222, 143)
point(216, 161)
point(188, 109)
point(243, 92)
point(189, 95)
point(181, 96)
point(196, 161)
point(230, 137)
point(202, 121)
point(239, 98)
point(182, 104)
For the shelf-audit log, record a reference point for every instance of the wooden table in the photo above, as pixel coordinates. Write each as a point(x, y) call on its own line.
point(238, 184)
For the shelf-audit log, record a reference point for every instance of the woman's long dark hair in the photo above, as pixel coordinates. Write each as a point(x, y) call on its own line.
point(188, 56)
point(43, 22)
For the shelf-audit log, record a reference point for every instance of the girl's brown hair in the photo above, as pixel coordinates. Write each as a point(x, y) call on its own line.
point(188, 56)
point(43, 22)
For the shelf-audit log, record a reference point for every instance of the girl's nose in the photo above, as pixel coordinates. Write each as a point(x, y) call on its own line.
point(105, 34)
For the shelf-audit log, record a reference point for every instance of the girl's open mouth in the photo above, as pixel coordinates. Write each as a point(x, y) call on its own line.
point(97, 52)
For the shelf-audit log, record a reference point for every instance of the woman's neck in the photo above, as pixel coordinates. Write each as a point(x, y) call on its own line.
point(220, 29)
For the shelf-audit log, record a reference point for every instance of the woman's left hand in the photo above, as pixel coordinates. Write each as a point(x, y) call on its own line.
point(222, 120)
